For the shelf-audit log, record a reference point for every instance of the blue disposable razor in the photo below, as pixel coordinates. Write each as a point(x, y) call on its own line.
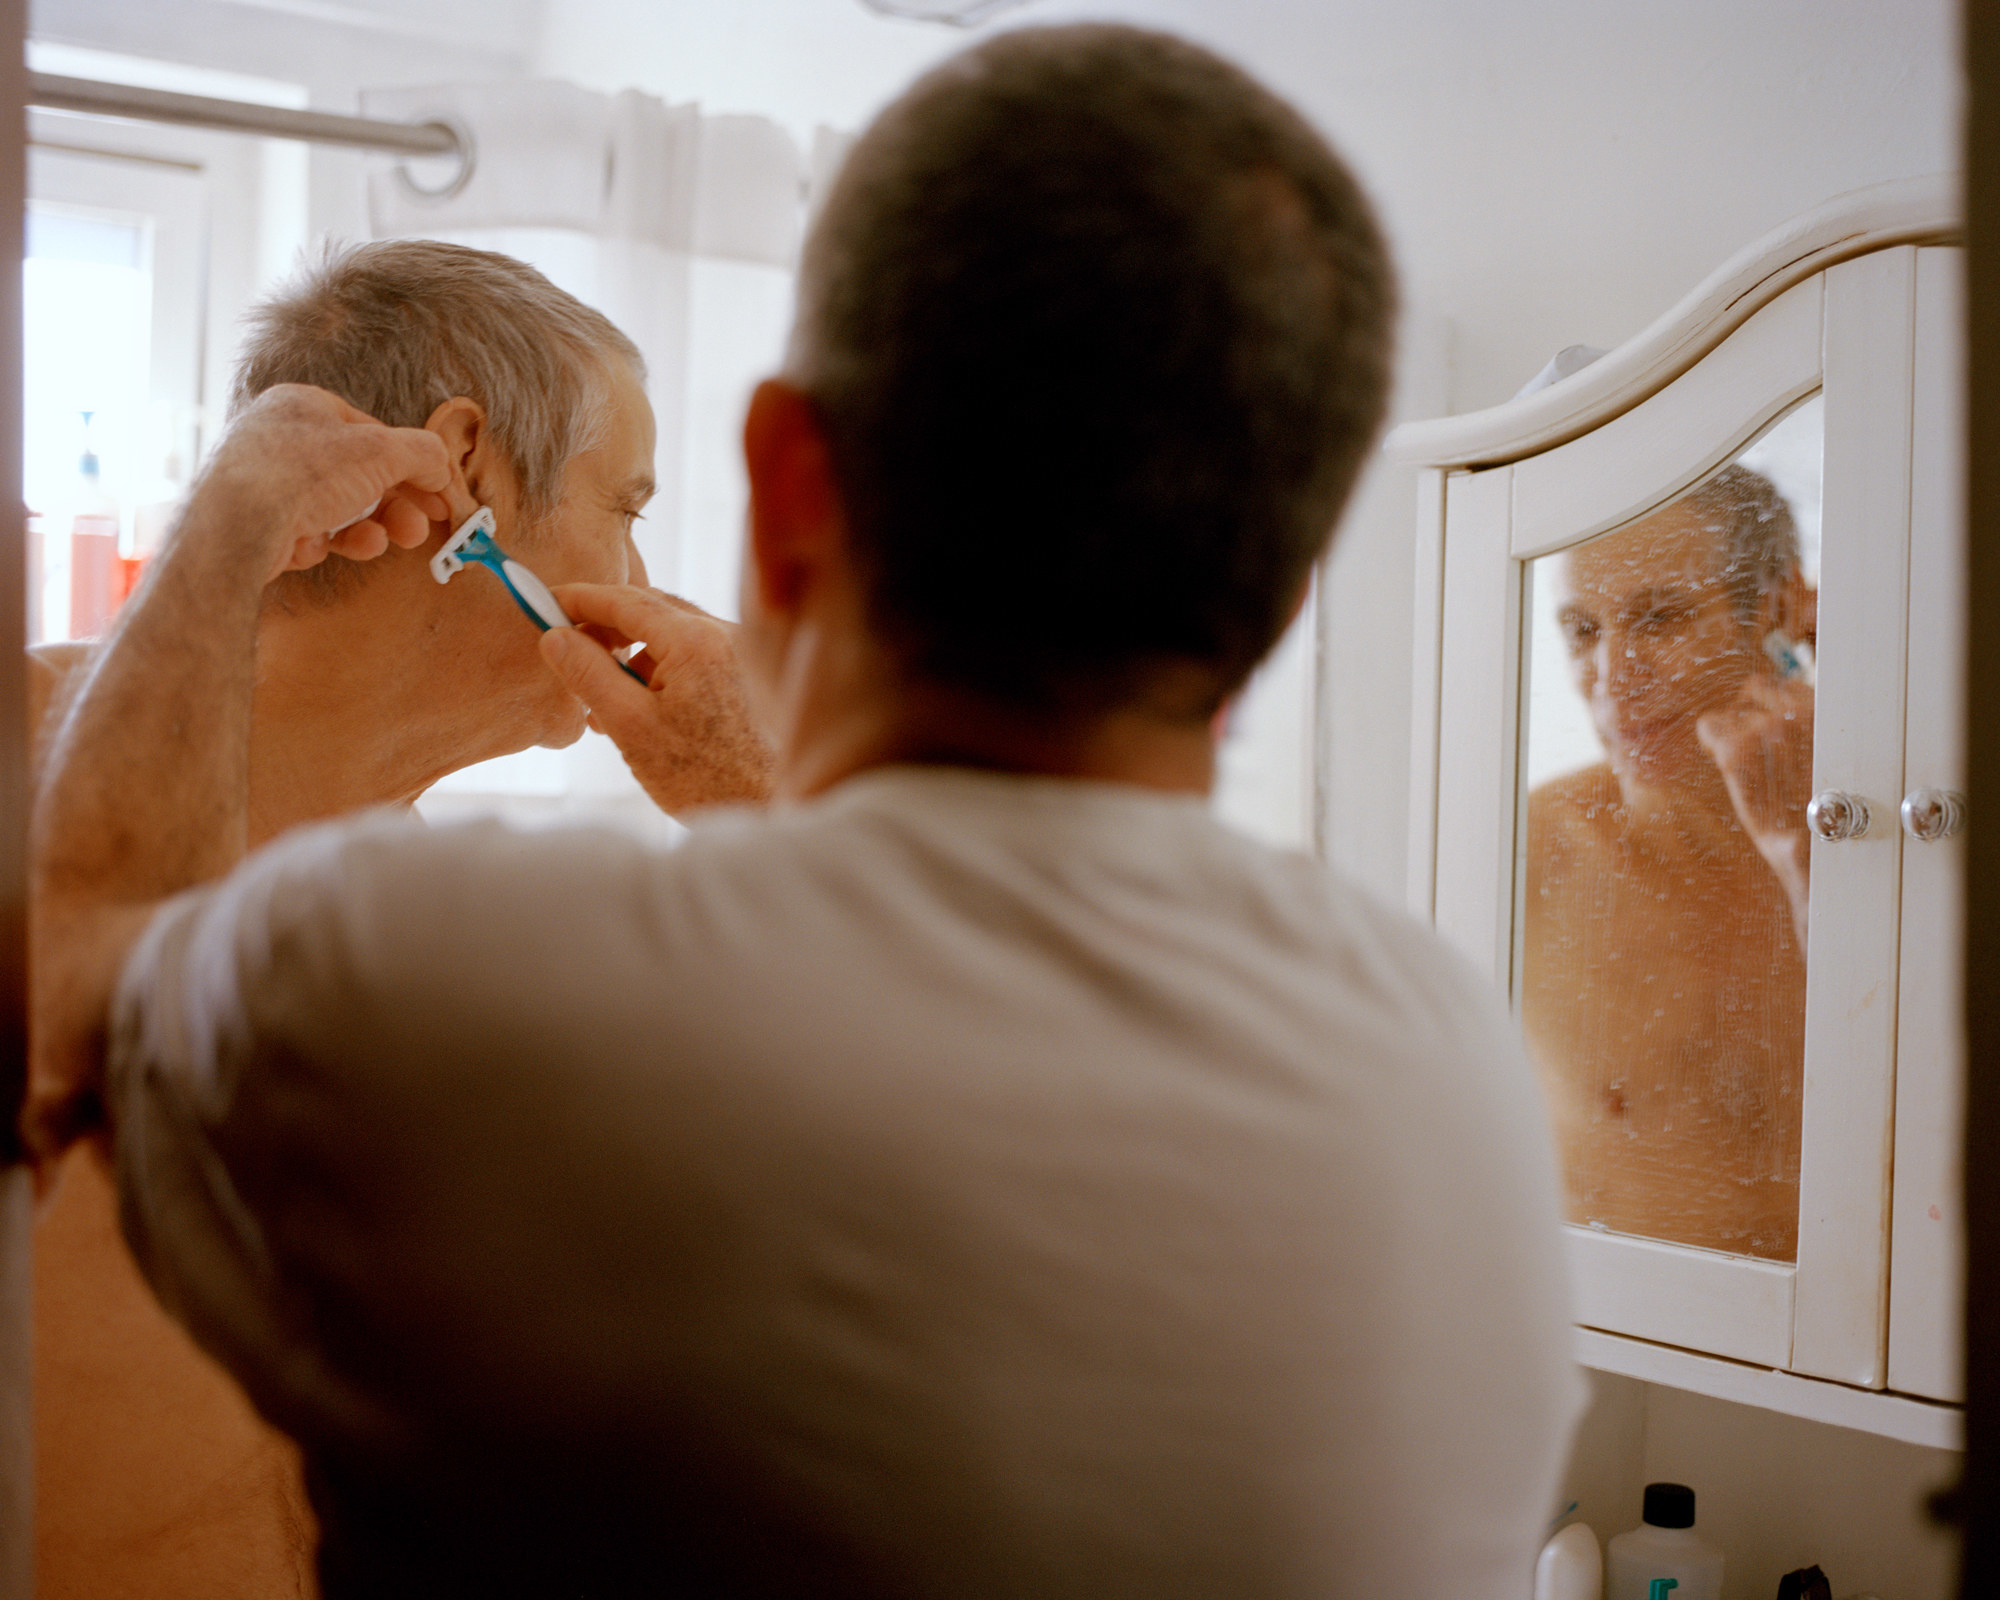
point(1787, 655)
point(473, 544)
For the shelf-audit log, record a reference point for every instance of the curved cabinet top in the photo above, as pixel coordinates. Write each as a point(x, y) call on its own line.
point(1908, 211)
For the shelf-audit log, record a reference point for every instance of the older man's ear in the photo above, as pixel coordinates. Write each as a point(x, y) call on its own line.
point(461, 423)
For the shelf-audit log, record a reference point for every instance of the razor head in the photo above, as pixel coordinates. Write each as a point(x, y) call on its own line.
point(473, 543)
point(471, 540)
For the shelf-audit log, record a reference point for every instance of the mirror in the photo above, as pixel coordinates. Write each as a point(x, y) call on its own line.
point(1661, 917)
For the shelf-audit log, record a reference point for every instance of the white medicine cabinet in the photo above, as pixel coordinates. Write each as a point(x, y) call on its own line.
point(1687, 783)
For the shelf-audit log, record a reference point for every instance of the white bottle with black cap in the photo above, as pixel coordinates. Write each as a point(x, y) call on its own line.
point(1661, 1559)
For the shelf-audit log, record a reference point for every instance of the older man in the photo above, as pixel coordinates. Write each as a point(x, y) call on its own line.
point(1665, 975)
point(984, 1176)
point(154, 1477)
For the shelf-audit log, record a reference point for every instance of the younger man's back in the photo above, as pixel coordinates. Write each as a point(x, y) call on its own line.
point(1047, 1191)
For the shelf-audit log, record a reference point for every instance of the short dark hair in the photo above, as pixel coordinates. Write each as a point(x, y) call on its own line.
point(1099, 330)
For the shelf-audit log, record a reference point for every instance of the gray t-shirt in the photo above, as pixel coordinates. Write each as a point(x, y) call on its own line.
point(960, 1186)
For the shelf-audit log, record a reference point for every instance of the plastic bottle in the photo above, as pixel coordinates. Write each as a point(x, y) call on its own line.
point(1664, 1547)
point(1570, 1567)
point(96, 579)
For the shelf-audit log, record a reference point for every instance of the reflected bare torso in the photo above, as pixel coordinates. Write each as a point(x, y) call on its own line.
point(1664, 1002)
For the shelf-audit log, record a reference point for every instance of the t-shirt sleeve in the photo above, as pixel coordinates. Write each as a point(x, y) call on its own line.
point(351, 1088)
point(219, 975)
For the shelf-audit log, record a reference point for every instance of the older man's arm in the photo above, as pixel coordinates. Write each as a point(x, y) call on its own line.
point(146, 787)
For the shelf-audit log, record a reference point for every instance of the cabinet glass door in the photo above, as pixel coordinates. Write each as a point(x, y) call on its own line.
point(1662, 907)
point(1665, 659)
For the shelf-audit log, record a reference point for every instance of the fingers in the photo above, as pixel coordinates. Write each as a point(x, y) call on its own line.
point(1777, 693)
point(636, 615)
point(328, 477)
point(404, 509)
point(665, 625)
point(690, 737)
point(339, 407)
point(425, 462)
point(1725, 725)
point(592, 674)
point(1761, 744)
point(421, 460)
point(408, 514)
point(1731, 731)
point(404, 519)
point(360, 541)
point(1766, 709)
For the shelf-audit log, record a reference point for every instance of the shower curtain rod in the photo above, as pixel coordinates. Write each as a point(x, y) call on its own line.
point(52, 93)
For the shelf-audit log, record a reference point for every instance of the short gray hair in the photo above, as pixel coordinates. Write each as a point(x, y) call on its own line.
point(400, 326)
point(1757, 538)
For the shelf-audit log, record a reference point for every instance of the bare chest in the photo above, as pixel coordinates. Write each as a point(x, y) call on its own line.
point(1644, 987)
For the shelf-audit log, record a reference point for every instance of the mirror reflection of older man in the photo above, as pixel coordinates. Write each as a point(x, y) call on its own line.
point(153, 1474)
point(1664, 974)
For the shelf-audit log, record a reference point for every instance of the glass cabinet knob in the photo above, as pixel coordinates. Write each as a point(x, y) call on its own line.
point(1931, 814)
point(1834, 815)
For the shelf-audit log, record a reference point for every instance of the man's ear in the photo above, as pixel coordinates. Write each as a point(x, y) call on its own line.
point(798, 526)
point(461, 423)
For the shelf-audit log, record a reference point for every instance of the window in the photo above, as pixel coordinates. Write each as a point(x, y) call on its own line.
point(144, 244)
point(111, 373)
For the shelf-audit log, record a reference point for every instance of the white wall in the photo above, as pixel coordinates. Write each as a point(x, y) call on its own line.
point(332, 45)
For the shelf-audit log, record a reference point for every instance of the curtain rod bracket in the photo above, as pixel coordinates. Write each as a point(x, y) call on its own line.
point(464, 147)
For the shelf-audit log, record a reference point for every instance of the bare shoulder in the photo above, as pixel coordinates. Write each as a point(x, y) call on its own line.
point(53, 670)
point(1573, 840)
point(1575, 814)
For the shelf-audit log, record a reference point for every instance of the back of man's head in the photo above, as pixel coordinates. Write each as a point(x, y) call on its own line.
point(1099, 330)
point(400, 326)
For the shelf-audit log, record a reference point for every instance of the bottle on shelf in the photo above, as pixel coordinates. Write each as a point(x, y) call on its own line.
point(156, 504)
point(1662, 1558)
point(96, 574)
point(38, 576)
point(1570, 1567)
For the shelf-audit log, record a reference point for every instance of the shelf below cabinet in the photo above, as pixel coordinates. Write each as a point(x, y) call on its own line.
point(1893, 1416)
